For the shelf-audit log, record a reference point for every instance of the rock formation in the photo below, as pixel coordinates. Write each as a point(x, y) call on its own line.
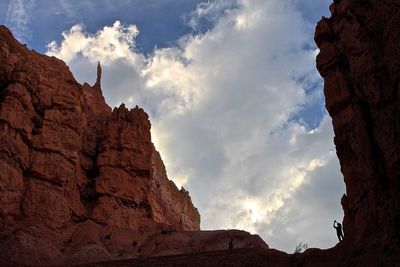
point(98, 79)
point(80, 183)
point(69, 163)
point(359, 60)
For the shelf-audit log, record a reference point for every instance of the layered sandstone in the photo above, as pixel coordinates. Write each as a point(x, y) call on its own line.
point(359, 60)
point(69, 164)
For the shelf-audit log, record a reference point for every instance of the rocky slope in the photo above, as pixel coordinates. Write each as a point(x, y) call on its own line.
point(359, 60)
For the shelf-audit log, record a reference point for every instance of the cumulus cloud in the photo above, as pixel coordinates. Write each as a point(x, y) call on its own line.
point(225, 108)
point(109, 44)
point(18, 19)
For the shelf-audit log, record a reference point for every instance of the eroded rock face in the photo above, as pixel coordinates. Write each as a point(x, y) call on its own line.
point(360, 62)
point(68, 162)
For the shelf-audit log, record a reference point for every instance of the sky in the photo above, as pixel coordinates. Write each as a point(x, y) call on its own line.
point(234, 98)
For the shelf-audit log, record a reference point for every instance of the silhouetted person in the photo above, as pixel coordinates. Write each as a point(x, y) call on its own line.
point(231, 244)
point(338, 228)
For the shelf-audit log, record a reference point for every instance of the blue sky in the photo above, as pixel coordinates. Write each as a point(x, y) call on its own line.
point(235, 101)
point(162, 22)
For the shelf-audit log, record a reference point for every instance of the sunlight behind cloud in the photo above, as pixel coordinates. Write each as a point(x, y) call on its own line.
point(240, 21)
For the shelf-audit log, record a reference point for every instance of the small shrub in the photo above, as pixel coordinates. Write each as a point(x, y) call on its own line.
point(301, 247)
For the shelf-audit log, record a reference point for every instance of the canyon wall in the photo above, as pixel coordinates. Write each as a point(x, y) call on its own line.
point(68, 161)
point(359, 60)
point(80, 182)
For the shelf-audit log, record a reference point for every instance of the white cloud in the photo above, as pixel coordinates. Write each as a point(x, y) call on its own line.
point(18, 19)
point(109, 44)
point(221, 105)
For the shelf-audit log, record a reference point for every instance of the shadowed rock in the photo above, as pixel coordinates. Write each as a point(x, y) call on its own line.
point(359, 60)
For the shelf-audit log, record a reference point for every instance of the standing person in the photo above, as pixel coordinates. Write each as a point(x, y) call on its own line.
point(231, 244)
point(339, 231)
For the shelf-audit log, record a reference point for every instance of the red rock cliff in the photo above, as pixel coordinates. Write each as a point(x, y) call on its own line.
point(359, 60)
point(67, 162)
